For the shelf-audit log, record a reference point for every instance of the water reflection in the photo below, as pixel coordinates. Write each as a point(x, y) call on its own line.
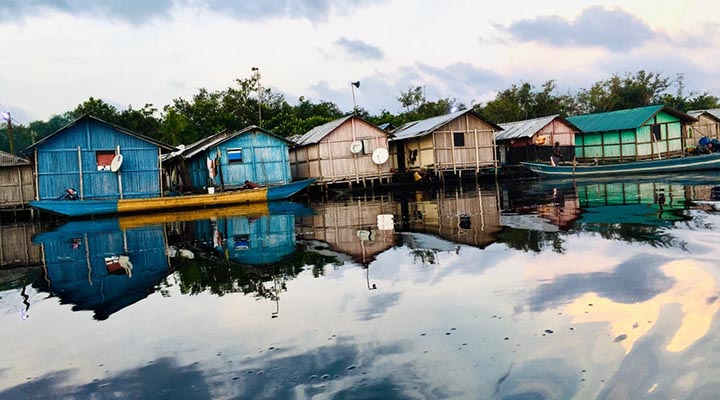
point(528, 290)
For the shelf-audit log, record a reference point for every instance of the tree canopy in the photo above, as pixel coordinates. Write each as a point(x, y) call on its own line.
point(246, 103)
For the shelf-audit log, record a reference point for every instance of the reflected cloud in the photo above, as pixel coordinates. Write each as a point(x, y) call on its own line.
point(379, 304)
point(160, 379)
point(550, 378)
point(632, 281)
point(693, 289)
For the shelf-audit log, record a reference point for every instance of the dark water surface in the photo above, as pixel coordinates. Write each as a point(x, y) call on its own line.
point(531, 290)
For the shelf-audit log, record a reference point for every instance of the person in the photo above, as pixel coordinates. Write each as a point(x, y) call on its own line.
point(250, 185)
point(556, 154)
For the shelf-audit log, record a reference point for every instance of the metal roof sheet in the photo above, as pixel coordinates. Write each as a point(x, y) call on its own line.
point(11, 160)
point(148, 139)
point(521, 129)
point(623, 119)
point(317, 133)
point(203, 144)
point(712, 113)
point(425, 126)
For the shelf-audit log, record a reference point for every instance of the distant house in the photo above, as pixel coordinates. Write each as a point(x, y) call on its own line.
point(348, 149)
point(228, 159)
point(533, 139)
point(453, 142)
point(387, 127)
point(80, 156)
point(17, 186)
point(633, 134)
point(707, 125)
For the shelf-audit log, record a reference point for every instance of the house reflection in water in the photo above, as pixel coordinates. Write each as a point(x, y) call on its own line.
point(249, 240)
point(470, 217)
point(96, 265)
point(362, 227)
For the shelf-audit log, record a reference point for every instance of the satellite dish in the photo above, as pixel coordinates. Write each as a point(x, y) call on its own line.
point(380, 155)
point(356, 147)
point(116, 163)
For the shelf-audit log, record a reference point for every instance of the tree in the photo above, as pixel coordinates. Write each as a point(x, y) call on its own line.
point(522, 101)
point(97, 108)
point(142, 121)
point(412, 99)
point(622, 92)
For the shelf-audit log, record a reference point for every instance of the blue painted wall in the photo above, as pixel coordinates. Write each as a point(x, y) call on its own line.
point(265, 161)
point(59, 169)
point(251, 241)
point(84, 281)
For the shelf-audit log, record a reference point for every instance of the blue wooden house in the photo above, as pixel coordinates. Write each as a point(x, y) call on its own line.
point(264, 240)
point(80, 156)
point(82, 262)
point(228, 159)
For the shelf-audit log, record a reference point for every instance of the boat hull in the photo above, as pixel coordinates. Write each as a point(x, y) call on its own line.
point(81, 208)
point(690, 163)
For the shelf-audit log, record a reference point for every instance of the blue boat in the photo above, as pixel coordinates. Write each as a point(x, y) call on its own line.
point(81, 208)
point(679, 164)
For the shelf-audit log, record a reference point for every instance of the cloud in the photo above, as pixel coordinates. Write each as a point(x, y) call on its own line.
point(135, 12)
point(614, 29)
point(138, 12)
point(360, 50)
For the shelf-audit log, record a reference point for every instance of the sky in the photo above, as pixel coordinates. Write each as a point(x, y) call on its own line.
point(58, 53)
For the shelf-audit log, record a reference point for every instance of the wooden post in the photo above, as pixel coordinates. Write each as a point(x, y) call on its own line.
point(82, 189)
point(37, 178)
point(119, 174)
point(160, 171)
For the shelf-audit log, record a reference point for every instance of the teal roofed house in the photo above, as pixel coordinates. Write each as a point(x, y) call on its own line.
point(649, 132)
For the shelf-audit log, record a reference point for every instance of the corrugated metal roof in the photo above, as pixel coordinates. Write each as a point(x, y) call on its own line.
point(425, 126)
point(11, 160)
point(521, 129)
point(203, 144)
point(712, 113)
point(317, 133)
point(148, 139)
point(623, 119)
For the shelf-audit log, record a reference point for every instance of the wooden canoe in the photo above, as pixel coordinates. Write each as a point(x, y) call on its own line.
point(679, 164)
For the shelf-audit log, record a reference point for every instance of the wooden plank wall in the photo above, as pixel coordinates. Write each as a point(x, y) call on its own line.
point(331, 161)
point(17, 186)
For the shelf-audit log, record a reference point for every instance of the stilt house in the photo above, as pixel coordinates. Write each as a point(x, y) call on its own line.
point(348, 149)
point(228, 159)
point(447, 143)
point(17, 186)
point(533, 139)
point(634, 134)
point(81, 155)
point(708, 125)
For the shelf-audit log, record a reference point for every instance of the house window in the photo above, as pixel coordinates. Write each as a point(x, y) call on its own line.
point(459, 139)
point(235, 155)
point(657, 133)
point(366, 146)
point(104, 159)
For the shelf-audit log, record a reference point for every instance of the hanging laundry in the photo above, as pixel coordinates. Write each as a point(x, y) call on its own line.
point(211, 167)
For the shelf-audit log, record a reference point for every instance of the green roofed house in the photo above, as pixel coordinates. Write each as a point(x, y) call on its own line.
point(635, 134)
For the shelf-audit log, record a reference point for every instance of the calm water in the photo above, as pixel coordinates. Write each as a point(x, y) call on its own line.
point(533, 290)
